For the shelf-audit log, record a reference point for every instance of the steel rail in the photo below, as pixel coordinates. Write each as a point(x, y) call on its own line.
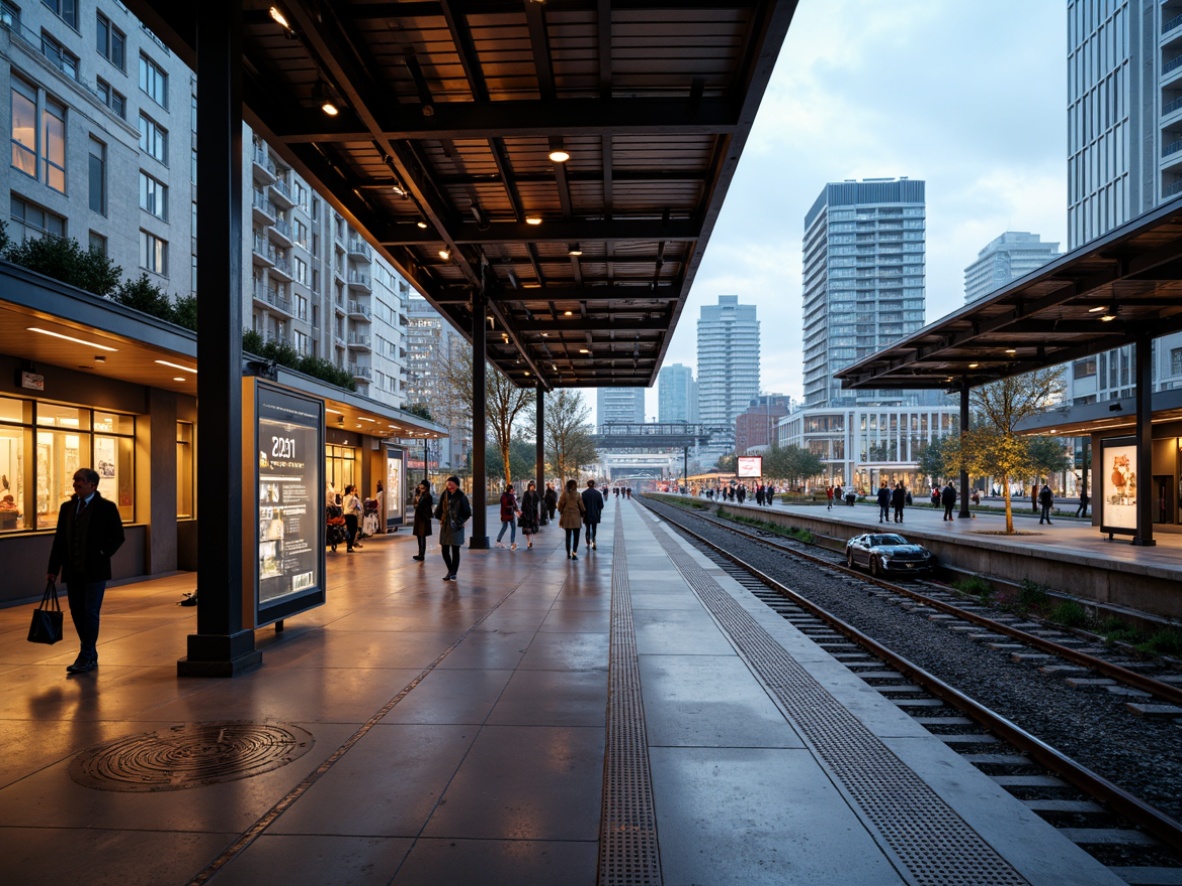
point(1154, 821)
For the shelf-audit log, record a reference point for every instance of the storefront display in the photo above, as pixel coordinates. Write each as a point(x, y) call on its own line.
point(394, 491)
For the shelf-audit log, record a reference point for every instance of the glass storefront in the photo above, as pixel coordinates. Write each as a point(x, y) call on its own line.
point(60, 440)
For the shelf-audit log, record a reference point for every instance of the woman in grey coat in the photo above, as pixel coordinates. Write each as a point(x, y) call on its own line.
point(452, 512)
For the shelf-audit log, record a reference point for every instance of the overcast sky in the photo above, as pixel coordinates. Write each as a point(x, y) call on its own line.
point(969, 97)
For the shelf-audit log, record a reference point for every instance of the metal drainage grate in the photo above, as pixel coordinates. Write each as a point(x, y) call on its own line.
point(189, 755)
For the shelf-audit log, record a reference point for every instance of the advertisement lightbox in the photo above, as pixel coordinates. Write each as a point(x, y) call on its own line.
point(1118, 485)
point(750, 467)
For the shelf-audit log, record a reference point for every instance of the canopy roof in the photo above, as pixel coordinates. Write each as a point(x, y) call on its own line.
point(1100, 296)
point(449, 110)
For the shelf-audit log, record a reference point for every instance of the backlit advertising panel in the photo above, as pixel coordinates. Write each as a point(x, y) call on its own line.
point(750, 467)
point(1118, 484)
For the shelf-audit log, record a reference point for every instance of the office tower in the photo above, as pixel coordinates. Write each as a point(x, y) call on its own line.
point(99, 104)
point(756, 427)
point(619, 405)
point(432, 345)
point(1124, 149)
point(728, 367)
point(863, 281)
point(677, 394)
point(1012, 255)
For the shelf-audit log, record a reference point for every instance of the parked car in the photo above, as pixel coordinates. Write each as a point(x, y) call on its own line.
point(888, 553)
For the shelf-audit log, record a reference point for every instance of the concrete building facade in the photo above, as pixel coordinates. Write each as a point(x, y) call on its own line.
point(756, 427)
point(728, 369)
point(616, 405)
point(1012, 255)
point(677, 394)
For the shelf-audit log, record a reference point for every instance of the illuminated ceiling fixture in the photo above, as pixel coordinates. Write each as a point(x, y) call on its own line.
point(533, 219)
point(178, 378)
point(1098, 309)
point(279, 18)
point(527, 373)
point(177, 366)
point(576, 249)
point(584, 351)
point(974, 365)
point(545, 335)
point(78, 341)
point(322, 95)
point(399, 190)
point(422, 224)
point(559, 155)
point(1109, 315)
point(568, 313)
point(445, 254)
point(1011, 352)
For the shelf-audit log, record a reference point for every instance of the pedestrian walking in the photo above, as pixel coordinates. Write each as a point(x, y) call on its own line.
point(592, 512)
point(1082, 510)
point(948, 498)
point(509, 514)
point(1045, 500)
point(421, 529)
point(353, 509)
point(452, 512)
point(570, 517)
point(898, 499)
point(550, 499)
point(531, 511)
point(89, 531)
point(884, 503)
point(1034, 498)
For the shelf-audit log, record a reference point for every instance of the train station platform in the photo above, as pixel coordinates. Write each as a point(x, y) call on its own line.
point(1070, 555)
point(631, 717)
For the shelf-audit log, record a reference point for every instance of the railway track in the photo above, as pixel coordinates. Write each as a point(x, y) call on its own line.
point(1138, 841)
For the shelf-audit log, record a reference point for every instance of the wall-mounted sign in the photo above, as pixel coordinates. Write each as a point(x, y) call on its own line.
point(750, 467)
point(287, 475)
point(30, 381)
point(1118, 484)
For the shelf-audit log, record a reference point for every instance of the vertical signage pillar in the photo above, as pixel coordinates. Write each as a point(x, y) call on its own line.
point(1143, 359)
point(479, 539)
point(964, 426)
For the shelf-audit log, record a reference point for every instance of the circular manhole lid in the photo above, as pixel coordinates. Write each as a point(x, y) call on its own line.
point(190, 755)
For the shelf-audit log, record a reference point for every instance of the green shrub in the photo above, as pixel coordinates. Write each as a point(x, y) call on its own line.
point(1117, 630)
point(184, 311)
point(64, 259)
point(1032, 596)
point(1164, 642)
point(1070, 614)
point(975, 586)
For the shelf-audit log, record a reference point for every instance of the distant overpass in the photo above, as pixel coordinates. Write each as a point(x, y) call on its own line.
point(664, 435)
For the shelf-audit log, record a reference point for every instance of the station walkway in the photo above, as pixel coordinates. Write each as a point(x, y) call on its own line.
point(633, 717)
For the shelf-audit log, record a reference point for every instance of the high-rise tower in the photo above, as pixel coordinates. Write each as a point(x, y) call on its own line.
point(619, 405)
point(1012, 255)
point(863, 280)
point(677, 394)
point(728, 366)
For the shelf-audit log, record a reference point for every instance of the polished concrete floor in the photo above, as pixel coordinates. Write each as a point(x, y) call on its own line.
point(454, 733)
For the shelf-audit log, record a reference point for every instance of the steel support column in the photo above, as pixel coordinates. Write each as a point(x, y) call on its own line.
point(540, 469)
point(478, 540)
point(221, 647)
point(964, 475)
point(1143, 352)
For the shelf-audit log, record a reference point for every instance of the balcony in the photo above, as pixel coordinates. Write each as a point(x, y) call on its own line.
point(364, 373)
point(1172, 65)
point(262, 166)
point(360, 281)
point(281, 194)
point(260, 251)
point(280, 233)
point(359, 250)
point(282, 267)
point(359, 342)
point(359, 311)
point(263, 211)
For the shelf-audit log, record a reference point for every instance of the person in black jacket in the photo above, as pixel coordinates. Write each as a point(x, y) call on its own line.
point(422, 524)
point(948, 499)
point(89, 531)
point(593, 503)
point(531, 509)
point(884, 503)
point(550, 499)
point(452, 512)
point(1045, 501)
point(898, 499)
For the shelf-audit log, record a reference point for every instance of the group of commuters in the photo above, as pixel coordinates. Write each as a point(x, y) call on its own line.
point(578, 513)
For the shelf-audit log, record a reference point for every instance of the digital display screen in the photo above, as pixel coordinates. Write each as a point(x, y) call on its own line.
point(750, 466)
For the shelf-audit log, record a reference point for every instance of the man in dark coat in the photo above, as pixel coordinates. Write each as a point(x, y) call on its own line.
point(1045, 500)
point(593, 502)
point(89, 531)
point(550, 499)
point(898, 499)
point(424, 505)
point(884, 503)
point(948, 499)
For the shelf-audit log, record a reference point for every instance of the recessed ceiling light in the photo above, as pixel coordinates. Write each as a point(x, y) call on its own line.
point(533, 219)
point(330, 108)
point(77, 341)
point(584, 351)
point(445, 254)
point(178, 378)
point(177, 366)
point(422, 224)
point(279, 17)
point(1012, 352)
point(558, 155)
point(576, 249)
point(568, 313)
point(1097, 309)
point(974, 365)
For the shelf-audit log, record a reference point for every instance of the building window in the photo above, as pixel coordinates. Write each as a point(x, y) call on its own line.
point(193, 272)
point(112, 98)
point(1176, 361)
point(111, 43)
point(30, 221)
point(153, 81)
point(98, 243)
point(24, 128)
point(66, 10)
point(153, 196)
point(153, 254)
point(98, 176)
point(64, 60)
point(153, 139)
point(10, 14)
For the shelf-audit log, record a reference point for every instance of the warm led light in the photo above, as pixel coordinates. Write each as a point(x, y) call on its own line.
point(329, 108)
point(279, 17)
point(1098, 309)
point(974, 365)
point(545, 335)
point(177, 366)
point(533, 219)
point(568, 313)
point(584, 351)
point(559, 155)
point(178, 378)
point(576, 249)
point(1108, 318)
point(422, 224)
point(527, 372)
point(78, 341)
point(445, 254)
point(333, 411)
point(1012, 352)
point(372, 420)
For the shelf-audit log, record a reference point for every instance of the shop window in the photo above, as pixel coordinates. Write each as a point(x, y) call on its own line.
point(12, 461)
point(184, 471)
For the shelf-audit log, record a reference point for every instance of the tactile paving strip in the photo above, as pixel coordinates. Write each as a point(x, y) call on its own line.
point(628, 853)
point(924, 834)
point(189, 755)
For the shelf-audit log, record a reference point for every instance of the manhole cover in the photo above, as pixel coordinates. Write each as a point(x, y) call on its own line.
point(189, 755)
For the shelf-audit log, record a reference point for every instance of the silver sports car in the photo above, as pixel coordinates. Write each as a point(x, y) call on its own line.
point(888, 553)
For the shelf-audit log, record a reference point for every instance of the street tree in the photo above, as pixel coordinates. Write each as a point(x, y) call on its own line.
point(568, 436)
point(931, 459)
point(791, 464)
point(993, 445)
point(1049, 456)
point(504, 402)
